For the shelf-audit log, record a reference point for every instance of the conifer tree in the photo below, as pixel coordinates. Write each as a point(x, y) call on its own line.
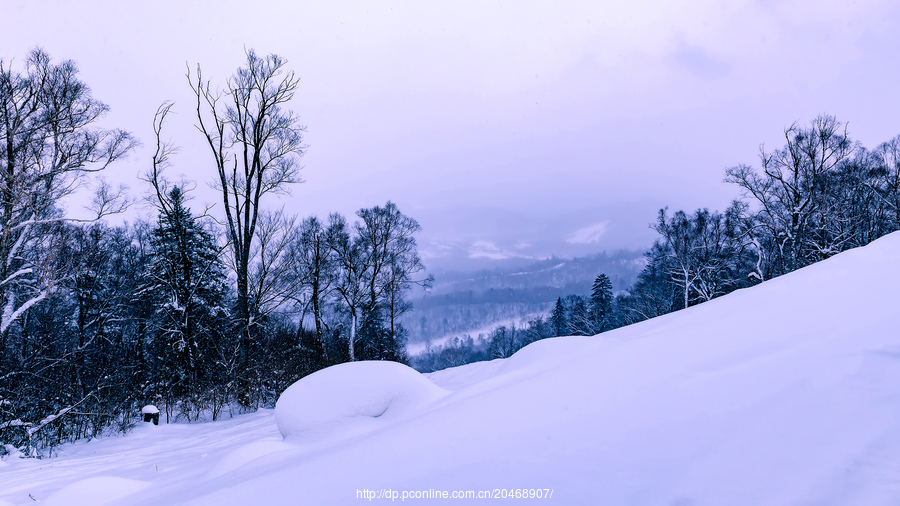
point(558, 319)
point(601, 304)
point(186, 284)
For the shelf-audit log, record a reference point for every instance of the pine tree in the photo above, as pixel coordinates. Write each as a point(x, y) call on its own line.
point(186, 284)
point(558, 319)
point(601, 304)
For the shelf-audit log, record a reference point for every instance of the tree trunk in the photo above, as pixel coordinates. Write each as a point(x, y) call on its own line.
point(243, 317)
point(352, 335)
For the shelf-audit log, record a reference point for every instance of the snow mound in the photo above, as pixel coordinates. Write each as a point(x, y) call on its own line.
point(351, 399)
point(98, 490)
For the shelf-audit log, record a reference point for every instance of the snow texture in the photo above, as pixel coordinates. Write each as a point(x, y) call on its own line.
point(100, 490)
point(351, 399)
point(149, 409)
point(246, 455)
point(784, 393)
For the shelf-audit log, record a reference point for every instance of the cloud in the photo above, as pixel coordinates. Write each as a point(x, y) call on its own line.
point(589, 234)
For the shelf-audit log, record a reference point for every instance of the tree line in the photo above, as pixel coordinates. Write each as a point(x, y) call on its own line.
point(819, 194)
point(195, 313)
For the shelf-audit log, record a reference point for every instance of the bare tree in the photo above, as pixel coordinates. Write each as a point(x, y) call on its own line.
point(887, 183)
point(351, 280)
point(680, 245)
point(315, 268)
point(272, 280)
point(256, 146)
point(790, 189)
point(654, 293)
point(49, 143)
point(391, 259)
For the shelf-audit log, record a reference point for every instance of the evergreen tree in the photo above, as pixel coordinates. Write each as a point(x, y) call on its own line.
point(601, 311)
point(558, 319)
point(186, 284)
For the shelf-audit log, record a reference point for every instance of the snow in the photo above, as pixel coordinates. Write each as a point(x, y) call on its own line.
point(100, 490)
point(168, 456)
point(785, 393)
point(13, 423)
point(149, 409)
point(247, 454)
point(351, 399)
point(590, 234)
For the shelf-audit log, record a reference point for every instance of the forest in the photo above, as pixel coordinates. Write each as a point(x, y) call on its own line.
point(199, 315)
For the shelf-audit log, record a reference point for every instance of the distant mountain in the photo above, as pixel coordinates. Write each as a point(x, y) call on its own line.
point(490, 238)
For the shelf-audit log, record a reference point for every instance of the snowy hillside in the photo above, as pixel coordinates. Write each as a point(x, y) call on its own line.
point(786, 393)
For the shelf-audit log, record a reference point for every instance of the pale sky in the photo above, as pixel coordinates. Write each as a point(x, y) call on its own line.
point(506, 128)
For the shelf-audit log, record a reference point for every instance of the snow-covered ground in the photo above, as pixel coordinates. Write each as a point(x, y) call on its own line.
point(786, 393)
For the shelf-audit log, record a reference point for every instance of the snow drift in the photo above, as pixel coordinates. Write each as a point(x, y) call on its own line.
point(350, 399)
point(785, 393)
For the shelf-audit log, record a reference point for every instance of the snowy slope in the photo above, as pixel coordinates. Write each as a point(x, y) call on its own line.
point(786, 393)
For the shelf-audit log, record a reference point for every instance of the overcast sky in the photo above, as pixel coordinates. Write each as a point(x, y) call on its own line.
point(506, 128)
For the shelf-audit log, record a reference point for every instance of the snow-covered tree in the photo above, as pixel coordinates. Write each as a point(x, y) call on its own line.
point(504, 341)
point(654, 293)
point(72, 362)
point(50, 142)
point(580, 323)
point(186, 282)
point(790, 188)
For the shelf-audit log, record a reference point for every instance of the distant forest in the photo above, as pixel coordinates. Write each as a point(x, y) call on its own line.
point(819, 194)
point(463, 302)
